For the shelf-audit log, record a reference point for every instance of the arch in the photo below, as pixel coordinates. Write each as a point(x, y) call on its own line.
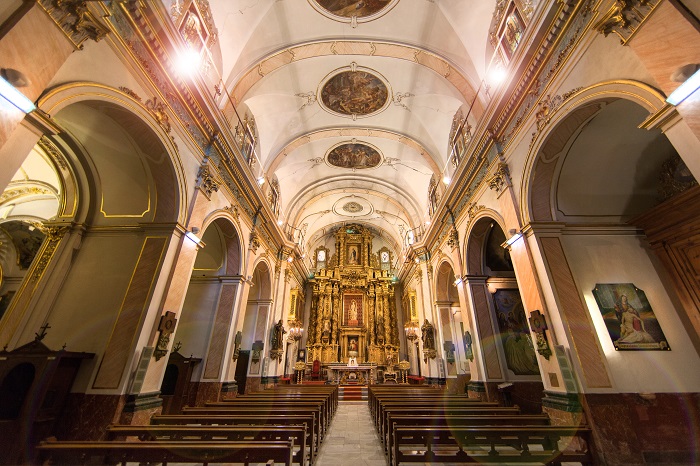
point(230, 237)
point(351, 132)
point(262, 281)
point(568, 120)
point(399, 51)
point(477, 235)
point(147, 132)
point(445, 290)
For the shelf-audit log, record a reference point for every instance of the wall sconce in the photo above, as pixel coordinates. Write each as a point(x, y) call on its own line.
point(10, 80)
point(411, 329)
point(515, 235)
point(689, 76)
point(192, 235)
point(296, 330)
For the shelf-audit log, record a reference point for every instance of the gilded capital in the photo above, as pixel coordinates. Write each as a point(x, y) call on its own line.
point(76, 21)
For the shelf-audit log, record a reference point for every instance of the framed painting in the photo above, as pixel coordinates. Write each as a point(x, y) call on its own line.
point(514, 332)
point(352, 310)
point(353, 254)
point(629, 318)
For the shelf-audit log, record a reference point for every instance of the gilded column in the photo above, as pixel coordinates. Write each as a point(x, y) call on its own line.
point(380, 315)
point(394, 317)
point(335, 321)
point(370, 315)
point(387, 314)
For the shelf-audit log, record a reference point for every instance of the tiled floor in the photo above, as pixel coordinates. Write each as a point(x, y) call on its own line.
point(352, 439)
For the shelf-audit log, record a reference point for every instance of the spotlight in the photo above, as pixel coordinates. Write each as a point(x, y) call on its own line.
point(446, 179)
point(187, 62)
point(261, 181)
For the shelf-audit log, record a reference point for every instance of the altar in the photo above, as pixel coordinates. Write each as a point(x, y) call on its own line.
point(364, 373)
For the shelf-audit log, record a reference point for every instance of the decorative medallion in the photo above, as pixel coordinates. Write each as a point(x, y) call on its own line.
point(353, 11)
point(353, 207)
point(354, 92)
point(354, 155)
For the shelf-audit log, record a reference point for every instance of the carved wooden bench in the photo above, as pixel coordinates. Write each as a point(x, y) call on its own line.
point(404, 420)
point(295, 434)
point(263, 410)
point(491, 444)
point(307, 421)
point(442, 411)
point(121, 452)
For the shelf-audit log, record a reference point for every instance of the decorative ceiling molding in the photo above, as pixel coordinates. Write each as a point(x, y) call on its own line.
point(351, 132)
point(401, 200)
point(326, 48)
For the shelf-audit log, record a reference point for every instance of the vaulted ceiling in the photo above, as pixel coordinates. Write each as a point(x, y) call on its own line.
point(353, 101)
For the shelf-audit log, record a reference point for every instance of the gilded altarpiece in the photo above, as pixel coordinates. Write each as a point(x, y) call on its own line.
point(353, 311)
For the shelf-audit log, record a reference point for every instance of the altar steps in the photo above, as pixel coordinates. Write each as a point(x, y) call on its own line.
point(352, 393)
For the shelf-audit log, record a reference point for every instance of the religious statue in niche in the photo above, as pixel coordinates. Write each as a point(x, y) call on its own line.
point(353, 310)
point(629, 318)
point(277, 340)
point(428, 337)
point(353, 256)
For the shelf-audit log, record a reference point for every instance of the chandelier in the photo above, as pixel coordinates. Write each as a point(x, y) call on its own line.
point(411, 329)
point(296, 329)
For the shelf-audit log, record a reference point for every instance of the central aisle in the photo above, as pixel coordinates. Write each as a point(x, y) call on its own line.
point(352, 439)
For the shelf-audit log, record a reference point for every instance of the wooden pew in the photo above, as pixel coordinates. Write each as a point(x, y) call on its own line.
point(389, 403)
point(325, 399)
point(294, 434)
point(494, 444)
point(441, 411)
point(323, 403)
point(404, 420)
point(263, 410)
point(57, 452)
point(307, 421)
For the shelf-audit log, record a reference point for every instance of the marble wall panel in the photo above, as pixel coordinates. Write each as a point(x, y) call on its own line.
point(135, 303)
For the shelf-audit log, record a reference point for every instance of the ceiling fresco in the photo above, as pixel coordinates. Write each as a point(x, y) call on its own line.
point(354, 156)
point(321, 75)
point(350, 8)
point(354, 93)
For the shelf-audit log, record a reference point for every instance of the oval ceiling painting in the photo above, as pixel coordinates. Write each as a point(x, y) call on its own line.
point(354, 156)
point(350, 8)
point(354, 93)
